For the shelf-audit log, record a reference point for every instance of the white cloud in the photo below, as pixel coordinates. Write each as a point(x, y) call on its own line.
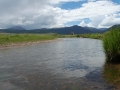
point(91, 0)
point(110, 20)
point(90, 25)
point(42, 13)
point(59, 1)
point(95, 11)
point(83, 24)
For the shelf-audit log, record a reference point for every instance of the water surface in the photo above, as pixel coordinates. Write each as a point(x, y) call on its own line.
point(68, 64)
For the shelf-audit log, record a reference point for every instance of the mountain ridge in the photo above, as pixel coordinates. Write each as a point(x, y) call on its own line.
point(63, 30)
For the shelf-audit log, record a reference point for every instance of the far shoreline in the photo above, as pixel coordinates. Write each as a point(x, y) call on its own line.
point(19, 44)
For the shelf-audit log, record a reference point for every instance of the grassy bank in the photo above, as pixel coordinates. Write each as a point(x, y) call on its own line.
point(93, 36)
point(20, 38)
point(111, 44)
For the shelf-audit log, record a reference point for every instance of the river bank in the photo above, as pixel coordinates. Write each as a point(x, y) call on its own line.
point(111, 45)
point(12, 40)
point(27, 43)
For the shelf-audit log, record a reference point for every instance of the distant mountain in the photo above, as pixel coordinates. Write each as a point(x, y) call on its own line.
point(16, 28)
point(95, 30)
point(68, 30)
point(64, 30)
point(103, 29)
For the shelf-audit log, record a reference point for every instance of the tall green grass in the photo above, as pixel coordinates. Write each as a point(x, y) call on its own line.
point(18, 38)
point(111, 44)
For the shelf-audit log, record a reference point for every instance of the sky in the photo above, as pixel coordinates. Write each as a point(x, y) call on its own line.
point(35, 14)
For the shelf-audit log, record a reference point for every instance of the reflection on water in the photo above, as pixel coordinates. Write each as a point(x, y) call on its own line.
point(111, 73)
point(69, 64)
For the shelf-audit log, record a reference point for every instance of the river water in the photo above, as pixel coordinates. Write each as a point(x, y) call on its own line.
point(67, 64)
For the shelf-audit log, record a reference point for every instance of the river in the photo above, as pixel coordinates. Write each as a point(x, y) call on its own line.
point(67, 64)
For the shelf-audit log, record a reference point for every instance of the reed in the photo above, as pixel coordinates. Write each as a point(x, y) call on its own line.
point(111, 45)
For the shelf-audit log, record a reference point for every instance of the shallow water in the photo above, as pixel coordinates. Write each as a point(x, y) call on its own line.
point(68, 64)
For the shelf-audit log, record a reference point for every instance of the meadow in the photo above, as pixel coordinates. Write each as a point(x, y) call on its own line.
point(20, 38)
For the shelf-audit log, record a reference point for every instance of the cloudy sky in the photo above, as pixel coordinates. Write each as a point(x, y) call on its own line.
point(33, 14)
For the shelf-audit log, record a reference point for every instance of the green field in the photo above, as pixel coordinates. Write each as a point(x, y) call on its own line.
point(20, 38)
